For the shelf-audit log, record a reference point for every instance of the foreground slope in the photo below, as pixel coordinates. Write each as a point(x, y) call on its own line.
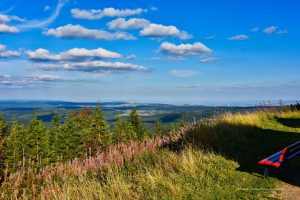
point(214, 159)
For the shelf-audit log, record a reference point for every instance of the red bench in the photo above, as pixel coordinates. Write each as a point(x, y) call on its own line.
point(280, 158)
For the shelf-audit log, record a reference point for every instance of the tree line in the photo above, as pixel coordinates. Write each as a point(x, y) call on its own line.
point(80, 134)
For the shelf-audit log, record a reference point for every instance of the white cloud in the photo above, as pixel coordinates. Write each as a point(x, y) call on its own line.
point(46, 8)
point(7, 54)
point(153, 59)
point(106, 12)
point(123, 24)
point(76, 31)
point(2, 47)
point(158, 30)
point(4, 19)
point(184, 49)
point(210, 37)
point(45, 22)
point(239, 37)
point(208, 60)
point(7, 18)
point(255, 29)
point(8, 29)
point(17, 19)
point(184, 73)
point(94, 66)
point(74, 54)
point(153, 8)
point(281, 32)
point(130, 57)
point(28, 80)
point(270, 29)
point(148, 29)
point(46, 78)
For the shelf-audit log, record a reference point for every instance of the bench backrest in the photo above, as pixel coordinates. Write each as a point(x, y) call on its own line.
point(290, 152)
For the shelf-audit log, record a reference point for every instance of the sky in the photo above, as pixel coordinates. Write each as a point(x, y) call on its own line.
point(181, 52)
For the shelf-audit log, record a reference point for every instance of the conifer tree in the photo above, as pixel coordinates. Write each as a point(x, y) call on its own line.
point(3, 126)
point(181, 122)
point(37, 140)
point(123, 131)
point(53, 138)
point(158, 129)
point(136, 122)
point(99, 133)
point(71, 139)
point(3, 132)
point(15, 146)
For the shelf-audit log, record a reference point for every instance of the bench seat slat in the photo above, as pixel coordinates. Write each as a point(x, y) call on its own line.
point(273, 156)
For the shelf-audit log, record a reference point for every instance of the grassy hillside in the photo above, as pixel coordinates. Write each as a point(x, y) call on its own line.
point(216, 159)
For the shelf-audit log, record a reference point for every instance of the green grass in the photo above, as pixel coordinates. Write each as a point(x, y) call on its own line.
point(216, 160)
point(190, 174)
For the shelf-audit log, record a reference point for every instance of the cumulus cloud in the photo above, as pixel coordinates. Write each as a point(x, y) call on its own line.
point(4, 19)
point(270, 29)
point(239, 37)
point(76, 31)
point(123, 24)
point(94, 66)
point(8, 29)
point(158, 30)
point(74, 54)
point(184, 73)
point(106, 12)
point(7, 54)
point(184, 49)
point(148, 29)
point(28, 80)
point(43, 78)
point(7, 18)
point(208, 60)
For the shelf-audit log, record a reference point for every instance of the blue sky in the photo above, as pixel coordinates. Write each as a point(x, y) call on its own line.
point(194, 51)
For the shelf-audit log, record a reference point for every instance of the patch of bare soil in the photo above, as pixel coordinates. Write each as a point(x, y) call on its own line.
point(291, 192)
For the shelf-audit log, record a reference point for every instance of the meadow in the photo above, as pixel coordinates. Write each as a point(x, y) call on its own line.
point(215, 159)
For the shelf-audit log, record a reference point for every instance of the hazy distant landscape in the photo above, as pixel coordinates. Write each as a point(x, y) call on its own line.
point(150, 113)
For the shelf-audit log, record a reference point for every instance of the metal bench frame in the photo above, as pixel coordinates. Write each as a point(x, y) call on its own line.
point(280, 158)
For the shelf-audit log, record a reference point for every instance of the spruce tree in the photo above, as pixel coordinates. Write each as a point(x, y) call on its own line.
point(36, 147)
point(71, 139)
point(158, 129)
point(3, 127)
point(53, 138)
point(136, 122)
point(15, 147)
point(99, 133)
point(181, 122)
point(123, 131)
point(3, 132)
